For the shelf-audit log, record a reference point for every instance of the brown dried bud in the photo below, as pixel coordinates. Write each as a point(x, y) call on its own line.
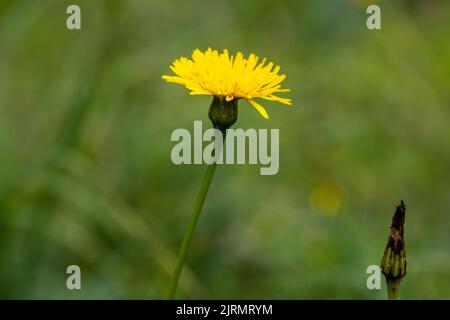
point(394, 263)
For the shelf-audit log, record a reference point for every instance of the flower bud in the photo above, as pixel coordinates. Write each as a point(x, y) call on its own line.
point(393, 263)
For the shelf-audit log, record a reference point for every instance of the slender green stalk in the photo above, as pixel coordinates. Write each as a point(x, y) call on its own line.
point(222, 114)
point(207, 178)
point(393, 289)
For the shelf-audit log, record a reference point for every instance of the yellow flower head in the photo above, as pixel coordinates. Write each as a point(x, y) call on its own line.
point(232, 77)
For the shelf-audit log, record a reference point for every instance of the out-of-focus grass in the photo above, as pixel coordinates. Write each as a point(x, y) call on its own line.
point(85, 170)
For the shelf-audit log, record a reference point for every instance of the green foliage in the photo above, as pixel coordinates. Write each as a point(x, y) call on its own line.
point(85, 170)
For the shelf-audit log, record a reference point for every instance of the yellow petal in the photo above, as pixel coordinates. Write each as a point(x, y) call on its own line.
point(260, 108)
point(277, 99)
point(200, 92)
point(229, 97)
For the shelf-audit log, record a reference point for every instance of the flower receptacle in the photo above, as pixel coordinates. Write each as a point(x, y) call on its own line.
point(223, 113)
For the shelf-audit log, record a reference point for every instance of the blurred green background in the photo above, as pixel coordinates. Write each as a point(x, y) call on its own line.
point(85, 170)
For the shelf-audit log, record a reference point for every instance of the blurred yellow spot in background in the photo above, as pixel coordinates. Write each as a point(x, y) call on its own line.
point(325, 198)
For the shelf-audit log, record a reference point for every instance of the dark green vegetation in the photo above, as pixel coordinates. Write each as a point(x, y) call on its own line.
point(85, 170)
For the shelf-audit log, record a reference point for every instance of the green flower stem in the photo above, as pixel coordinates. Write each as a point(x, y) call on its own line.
point(393, 289)
point(191, 227)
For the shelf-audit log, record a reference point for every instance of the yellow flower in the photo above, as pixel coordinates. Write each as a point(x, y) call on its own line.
point(219, 74)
